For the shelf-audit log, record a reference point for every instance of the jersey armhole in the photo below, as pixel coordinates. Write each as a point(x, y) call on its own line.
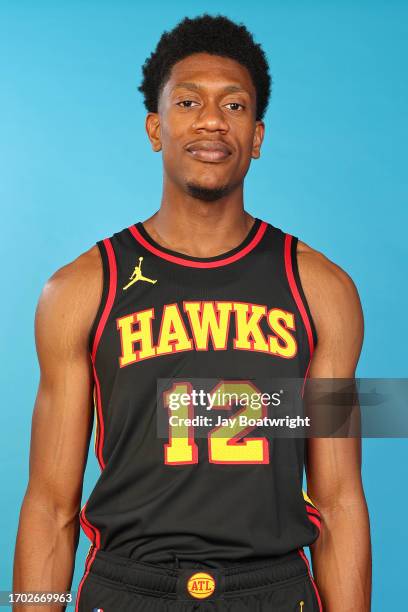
point(108, 294)
point(292, 272)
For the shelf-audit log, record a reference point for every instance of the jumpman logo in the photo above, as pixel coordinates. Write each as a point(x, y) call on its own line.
point(138, 276)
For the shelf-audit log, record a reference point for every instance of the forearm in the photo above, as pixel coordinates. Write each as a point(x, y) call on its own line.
point(45, 551)
point(342, 556)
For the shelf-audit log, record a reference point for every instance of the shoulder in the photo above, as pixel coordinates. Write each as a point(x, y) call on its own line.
point(331, 293)
point(318, 270)
point(69, 300)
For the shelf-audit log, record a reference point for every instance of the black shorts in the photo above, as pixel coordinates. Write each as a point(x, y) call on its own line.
point(115, 584)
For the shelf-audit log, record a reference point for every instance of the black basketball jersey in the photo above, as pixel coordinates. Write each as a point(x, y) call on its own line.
point(231, 319)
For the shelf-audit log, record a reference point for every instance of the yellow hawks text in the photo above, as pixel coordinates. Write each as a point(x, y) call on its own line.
point(208, 321)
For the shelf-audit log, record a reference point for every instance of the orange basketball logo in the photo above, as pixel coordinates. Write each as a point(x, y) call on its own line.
point(201, 585)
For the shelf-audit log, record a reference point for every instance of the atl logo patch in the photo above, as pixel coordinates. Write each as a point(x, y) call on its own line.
point(201, 585)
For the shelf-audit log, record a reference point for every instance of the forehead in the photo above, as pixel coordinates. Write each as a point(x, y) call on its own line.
point(210, 72)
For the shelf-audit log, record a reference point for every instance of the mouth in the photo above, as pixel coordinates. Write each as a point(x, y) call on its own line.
point(209, 150)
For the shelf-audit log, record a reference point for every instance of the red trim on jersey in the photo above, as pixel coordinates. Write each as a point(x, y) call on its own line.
point(200, 264)
point(88, 564)
point(111, 295)
point(90, 530)
point(101, 325)
point(313, 519)
point(305, 377)
point(313, 510)
point(95, 538)
point(295, 292)
point(319, 601)
point(100, 429)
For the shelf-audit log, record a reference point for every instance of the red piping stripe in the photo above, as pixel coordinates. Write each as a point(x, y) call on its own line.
point(111, 295)
point(200, 264)
point(96, 424)
point(96, 542)
point(305, 377)
point(313, 519)
point(100, 431)
point(90, 530)
point(319, 601)
point(299, 303)
point(100, 425)
point(313, 510)
point(295, 292)
point(96, 538)
point(87, 568)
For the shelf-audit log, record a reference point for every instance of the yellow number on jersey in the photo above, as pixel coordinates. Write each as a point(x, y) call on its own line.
point(181, 448)
point(225, 442)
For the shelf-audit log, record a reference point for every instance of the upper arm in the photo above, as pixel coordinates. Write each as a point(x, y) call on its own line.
point(333, 464)
point(62, 416)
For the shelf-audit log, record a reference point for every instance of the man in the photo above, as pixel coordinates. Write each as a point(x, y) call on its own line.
point(201, 290)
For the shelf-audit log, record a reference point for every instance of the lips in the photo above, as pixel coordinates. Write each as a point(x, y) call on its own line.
point(209, 150)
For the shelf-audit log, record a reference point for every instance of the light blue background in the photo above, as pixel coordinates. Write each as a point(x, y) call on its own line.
point(76, 166)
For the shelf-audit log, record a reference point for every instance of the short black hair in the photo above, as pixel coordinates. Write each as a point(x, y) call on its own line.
point(216, 35)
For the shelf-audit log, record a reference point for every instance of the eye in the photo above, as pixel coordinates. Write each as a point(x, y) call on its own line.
point(235, 106)
point(186, 103)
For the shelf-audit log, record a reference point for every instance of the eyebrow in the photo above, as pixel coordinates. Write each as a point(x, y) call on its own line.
point(196, 87)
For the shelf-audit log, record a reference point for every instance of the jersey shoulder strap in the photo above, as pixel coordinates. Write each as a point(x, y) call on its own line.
point(291, 255)
point(282, 248)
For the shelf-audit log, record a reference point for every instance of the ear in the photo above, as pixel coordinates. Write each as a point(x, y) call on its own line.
point(152, 126)
point(258, 138)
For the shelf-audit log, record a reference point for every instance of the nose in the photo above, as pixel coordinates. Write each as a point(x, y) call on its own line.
point(210, 119)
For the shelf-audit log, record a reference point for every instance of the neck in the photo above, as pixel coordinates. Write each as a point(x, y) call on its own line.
point(197, 228)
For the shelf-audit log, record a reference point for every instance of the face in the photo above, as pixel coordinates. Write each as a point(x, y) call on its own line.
point(205, 125)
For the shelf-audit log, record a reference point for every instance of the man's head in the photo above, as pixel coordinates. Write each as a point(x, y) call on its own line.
point(206, 88)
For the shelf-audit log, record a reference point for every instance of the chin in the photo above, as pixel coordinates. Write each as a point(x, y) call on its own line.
point(207, 194)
